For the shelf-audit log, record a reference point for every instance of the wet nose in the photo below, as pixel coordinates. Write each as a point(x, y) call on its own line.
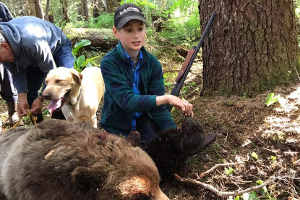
point(46, 95)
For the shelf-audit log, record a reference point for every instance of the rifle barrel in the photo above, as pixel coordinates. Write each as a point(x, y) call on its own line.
point(176, 90)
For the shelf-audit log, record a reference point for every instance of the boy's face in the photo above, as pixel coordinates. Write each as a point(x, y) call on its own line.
point(132, 35)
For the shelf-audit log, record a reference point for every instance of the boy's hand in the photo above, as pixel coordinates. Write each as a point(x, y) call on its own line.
point(180, 104)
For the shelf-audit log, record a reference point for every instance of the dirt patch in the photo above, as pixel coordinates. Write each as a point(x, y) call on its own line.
point(265, 139)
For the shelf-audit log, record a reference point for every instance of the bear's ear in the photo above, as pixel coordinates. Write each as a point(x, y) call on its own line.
point(134, 138)
point(134, 186)
point(87, 178)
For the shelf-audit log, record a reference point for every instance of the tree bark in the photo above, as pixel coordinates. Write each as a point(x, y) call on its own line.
point(101, 39)
point(85, 10)
point(111, 5)
point(38, 9)
point(47, 10)
point(64, 5)
point(252, 46)
point(79, 11)
point(29, 8)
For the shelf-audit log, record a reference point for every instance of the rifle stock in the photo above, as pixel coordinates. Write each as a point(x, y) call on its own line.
point(186, 66)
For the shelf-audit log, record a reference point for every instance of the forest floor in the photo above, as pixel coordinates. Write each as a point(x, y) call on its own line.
point(255, 144)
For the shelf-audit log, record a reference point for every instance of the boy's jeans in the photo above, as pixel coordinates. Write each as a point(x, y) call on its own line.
point(148, 129)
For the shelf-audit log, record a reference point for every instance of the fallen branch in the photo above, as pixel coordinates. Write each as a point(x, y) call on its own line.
point(221, 193)
point(216, 166)
point(297, 73)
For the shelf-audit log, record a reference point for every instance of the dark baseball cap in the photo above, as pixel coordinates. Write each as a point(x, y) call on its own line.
point(127, 12)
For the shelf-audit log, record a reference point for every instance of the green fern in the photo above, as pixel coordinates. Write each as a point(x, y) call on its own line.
point(271, 99)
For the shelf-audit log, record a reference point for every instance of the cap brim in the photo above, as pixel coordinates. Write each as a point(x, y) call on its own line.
point(127, 19)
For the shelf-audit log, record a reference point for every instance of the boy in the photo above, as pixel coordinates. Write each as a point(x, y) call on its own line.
point(134, 88)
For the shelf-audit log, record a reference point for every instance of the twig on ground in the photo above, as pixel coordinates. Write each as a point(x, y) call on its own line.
point(216, 166)
point(221, 193)
point(297, 73)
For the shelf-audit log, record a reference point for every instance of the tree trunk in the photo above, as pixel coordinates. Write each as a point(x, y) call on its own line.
point(79, 10)
point(47, 10)
point(85, 10)
point(111, 5)
point(64, 5)
point(101, 39)
point(38, 9)
point(252, 46)
point(29, 8)
point(105, 5)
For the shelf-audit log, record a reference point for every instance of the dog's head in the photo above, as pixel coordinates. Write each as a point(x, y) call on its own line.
point(62, 84)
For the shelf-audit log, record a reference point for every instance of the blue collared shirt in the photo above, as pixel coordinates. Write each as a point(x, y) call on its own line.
point(136, 80)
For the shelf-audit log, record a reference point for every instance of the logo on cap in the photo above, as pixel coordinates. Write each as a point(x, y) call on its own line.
point(129, 9)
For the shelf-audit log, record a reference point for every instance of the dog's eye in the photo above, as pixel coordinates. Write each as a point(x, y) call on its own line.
point(57, 81)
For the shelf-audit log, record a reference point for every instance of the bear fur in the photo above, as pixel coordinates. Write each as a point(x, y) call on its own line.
point(58, 160)
point(172, 147)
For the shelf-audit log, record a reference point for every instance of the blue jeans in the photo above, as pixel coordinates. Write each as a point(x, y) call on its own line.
point(148, 129)
point(8, 90)
point(35, 77)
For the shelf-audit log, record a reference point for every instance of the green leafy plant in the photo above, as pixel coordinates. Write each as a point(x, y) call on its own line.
point(229, 171)
point(81, 62)
point(254, 155)
point(263, 191)
point(244, 96)
point(271, 99)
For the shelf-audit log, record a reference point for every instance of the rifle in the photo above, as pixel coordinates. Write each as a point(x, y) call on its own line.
point(188, 62)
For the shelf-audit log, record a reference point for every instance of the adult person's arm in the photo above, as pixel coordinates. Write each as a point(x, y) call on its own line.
point(23, 104)
point(42, 55)
point(20, 82)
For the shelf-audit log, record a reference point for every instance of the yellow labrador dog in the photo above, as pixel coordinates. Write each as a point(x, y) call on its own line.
point(77, 94)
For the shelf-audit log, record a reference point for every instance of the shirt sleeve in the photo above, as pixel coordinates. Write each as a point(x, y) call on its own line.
point(19, 77)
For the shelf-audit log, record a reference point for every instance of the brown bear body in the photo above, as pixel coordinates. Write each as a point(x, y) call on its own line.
point(57, 160)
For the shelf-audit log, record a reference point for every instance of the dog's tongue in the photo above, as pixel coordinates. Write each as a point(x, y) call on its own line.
point(54, 105)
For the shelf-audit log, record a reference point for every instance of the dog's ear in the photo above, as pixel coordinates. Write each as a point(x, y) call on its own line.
point(77, 77)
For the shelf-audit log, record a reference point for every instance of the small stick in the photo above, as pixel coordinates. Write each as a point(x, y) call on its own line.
point(221, 193)
point(216, 166)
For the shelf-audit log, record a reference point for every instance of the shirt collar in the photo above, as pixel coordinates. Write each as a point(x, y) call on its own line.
point(128, 58)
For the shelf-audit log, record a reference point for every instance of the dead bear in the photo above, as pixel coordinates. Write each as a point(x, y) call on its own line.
point(172, 147)
point(58, 160)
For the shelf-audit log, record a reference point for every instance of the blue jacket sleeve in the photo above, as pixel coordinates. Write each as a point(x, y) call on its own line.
point(19, 77)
